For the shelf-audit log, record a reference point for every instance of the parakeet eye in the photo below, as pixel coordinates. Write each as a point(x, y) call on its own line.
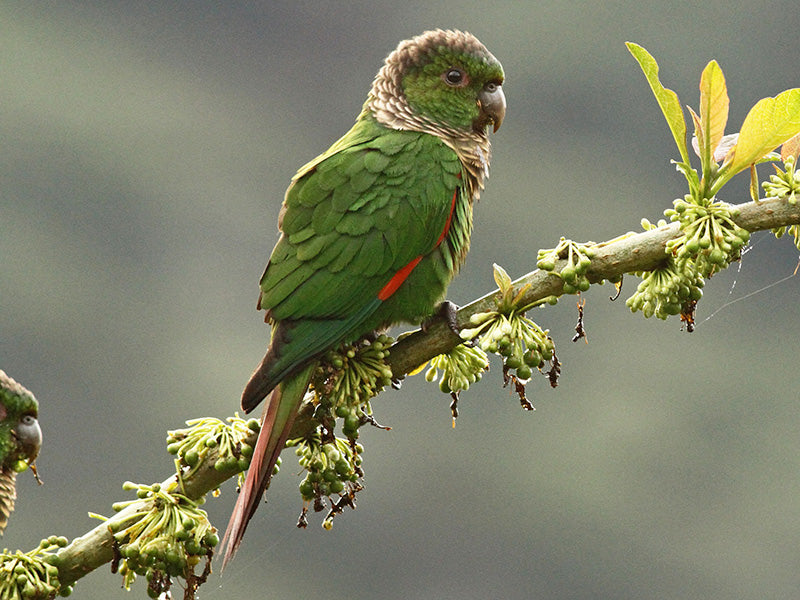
point(455, 77)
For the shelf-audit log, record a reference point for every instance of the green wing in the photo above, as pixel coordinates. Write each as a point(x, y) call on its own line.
point(354, 217)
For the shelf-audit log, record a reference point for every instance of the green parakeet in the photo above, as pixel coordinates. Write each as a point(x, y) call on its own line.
point(374, 229)
point(20, 440)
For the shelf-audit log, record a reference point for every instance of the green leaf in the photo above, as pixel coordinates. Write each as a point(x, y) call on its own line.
point(714, 104)
point(771, 122)
point(666, 98)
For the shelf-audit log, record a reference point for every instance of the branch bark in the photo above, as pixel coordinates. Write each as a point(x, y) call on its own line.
point(637, 252)
point(634, 252)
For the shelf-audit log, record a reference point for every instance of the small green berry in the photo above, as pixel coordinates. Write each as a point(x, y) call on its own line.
point(191, 457)
point(524, 372)
point(211, 539)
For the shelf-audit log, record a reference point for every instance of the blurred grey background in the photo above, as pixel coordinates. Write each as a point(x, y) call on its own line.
point(145, 151)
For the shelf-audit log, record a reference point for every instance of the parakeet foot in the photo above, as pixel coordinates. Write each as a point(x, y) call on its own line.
point(448, 311)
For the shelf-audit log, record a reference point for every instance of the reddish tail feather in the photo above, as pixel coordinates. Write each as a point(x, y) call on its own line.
point(258, 476)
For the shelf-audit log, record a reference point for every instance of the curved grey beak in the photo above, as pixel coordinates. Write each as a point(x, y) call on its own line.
point(29, 436)
point(492, 103)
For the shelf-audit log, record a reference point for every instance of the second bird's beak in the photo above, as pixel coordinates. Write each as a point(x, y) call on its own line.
point(29, 437)
point(492, 104)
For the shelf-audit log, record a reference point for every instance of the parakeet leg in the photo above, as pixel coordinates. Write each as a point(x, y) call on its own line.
point(449, 312)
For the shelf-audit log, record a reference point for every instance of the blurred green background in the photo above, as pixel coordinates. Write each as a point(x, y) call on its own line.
point(145, 151)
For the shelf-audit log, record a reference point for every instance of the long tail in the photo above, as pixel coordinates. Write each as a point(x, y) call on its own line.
point(277, 419)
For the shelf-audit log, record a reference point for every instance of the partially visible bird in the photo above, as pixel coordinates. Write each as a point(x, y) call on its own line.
point(20, 440)
point(373, 229)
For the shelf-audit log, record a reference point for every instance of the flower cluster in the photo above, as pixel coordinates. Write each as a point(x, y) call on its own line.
point(209, 437)
point(332, 467)
point(710, 240)
point(785, 183)
point(579, 259)
point(667, 290)
point(32, 575)
point(343, 384)
point(164, 535)
point(350, 375)
point(523, 345)
point(460, 367)
point(506, 331)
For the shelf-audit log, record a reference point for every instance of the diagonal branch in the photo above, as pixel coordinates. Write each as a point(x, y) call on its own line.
point(636, 252)
point(632, 252)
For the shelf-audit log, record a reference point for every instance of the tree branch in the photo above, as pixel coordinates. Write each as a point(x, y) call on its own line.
point(629, 253)
point(636, 252)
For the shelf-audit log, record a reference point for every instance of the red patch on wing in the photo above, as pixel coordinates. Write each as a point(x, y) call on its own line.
point(399, 277)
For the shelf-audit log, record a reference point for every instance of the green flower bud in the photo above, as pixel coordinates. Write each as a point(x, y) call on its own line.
point(191, 457)
point(546, 264)
point(306, 489)
point(568, 274)
point(524, 372)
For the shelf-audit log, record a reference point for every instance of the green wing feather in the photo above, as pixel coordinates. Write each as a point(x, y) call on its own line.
point(354, 218)
point(351, 219)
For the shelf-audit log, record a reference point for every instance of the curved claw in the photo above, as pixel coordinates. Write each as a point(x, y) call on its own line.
point(449, 312)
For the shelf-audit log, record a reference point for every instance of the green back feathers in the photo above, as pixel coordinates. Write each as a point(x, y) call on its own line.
point(354, 217)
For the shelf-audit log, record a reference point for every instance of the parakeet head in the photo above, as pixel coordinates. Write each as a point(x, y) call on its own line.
point(442, 82)
point(20, 440)
point(20, 435)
